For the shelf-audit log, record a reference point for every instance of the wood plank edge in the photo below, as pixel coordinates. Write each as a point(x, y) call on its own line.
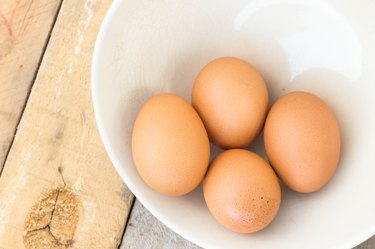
point(2, 166)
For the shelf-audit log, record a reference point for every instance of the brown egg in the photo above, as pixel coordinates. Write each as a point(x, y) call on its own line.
point(242, 191)
point(302, 141)
point(231, 98)
point(170, 145)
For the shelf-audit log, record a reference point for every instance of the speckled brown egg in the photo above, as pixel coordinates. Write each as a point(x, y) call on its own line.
point(302, 141)
point(231, 97)
point(242, 191)
point(170, 145)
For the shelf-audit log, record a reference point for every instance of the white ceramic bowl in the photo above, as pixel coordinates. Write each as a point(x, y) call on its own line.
point(325, 47)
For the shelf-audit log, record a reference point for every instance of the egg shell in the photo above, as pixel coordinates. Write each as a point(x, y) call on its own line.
point(242, 191)
point(170, 145)
point(232, 98)
point(302, 141)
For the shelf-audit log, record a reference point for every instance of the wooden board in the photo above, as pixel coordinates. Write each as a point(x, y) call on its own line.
point(146, 232)
point(58, 189)
point(369, 244)
point(24, 32)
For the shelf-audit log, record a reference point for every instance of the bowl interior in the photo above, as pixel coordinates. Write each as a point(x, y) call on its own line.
point(325, 47)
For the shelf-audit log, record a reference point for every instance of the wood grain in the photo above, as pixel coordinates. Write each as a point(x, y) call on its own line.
point(369, 244)
point(145, 231)
point(24, 30)
point(58, 189)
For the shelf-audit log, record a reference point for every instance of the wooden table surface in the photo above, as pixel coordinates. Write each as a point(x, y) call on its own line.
point(58, 188)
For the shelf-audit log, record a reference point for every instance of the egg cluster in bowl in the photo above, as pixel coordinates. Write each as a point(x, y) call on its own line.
point(171, 144)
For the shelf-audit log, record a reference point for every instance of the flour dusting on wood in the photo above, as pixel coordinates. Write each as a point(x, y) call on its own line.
point(58, 93)
point(27, 156)
point(77, 185)
point(90, 212)
point(9, 199)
